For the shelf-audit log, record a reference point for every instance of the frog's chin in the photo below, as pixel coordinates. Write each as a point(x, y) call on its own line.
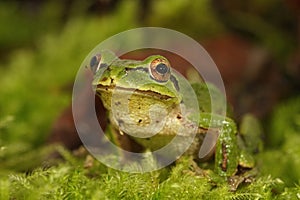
point(126, 91)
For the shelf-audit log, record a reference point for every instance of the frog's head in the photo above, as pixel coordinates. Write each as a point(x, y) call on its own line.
point(150, 77)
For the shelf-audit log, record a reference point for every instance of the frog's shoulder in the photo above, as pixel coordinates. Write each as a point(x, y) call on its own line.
point(206, 94)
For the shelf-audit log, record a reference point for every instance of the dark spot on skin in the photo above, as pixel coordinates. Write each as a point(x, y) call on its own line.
point(111, 81)
point(140, 120)
point(118, 103)
point(139, 107)
point(104, 79)
point(179, 116)
point(147, 138)
point(120, 122)
point(224, 159)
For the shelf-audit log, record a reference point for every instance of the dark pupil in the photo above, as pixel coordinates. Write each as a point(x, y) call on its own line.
point(161, 68)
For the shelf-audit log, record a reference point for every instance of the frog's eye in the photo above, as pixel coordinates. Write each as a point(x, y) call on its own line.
point(160, 70)
point(94, 63)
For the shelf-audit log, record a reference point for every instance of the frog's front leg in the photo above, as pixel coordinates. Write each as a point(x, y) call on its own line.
point(226, 148)
point(227, 153)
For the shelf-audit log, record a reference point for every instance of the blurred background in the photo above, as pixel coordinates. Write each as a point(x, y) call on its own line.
point(255, 45)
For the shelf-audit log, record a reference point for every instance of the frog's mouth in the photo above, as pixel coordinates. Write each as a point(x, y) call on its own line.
point(135, 91)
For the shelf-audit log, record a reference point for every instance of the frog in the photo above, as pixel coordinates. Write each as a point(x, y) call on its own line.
point(145, 100)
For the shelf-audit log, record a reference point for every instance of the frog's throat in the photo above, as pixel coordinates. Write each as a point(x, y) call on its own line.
point(136, 91)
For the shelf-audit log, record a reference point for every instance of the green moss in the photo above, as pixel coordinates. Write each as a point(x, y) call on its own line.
point(34, 81)
point(282, 159)
point(33, 93)
point(71, 180)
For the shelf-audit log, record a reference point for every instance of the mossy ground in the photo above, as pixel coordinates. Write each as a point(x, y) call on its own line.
point(33, 93)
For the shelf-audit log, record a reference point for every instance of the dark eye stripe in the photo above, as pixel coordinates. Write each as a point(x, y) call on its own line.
point(175, 82)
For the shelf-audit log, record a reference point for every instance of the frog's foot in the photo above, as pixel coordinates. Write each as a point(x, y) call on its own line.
point(245, 177)
point(193, 167)
point(89, 162)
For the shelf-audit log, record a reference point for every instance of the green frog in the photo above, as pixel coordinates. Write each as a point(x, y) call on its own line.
point(150, 103)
